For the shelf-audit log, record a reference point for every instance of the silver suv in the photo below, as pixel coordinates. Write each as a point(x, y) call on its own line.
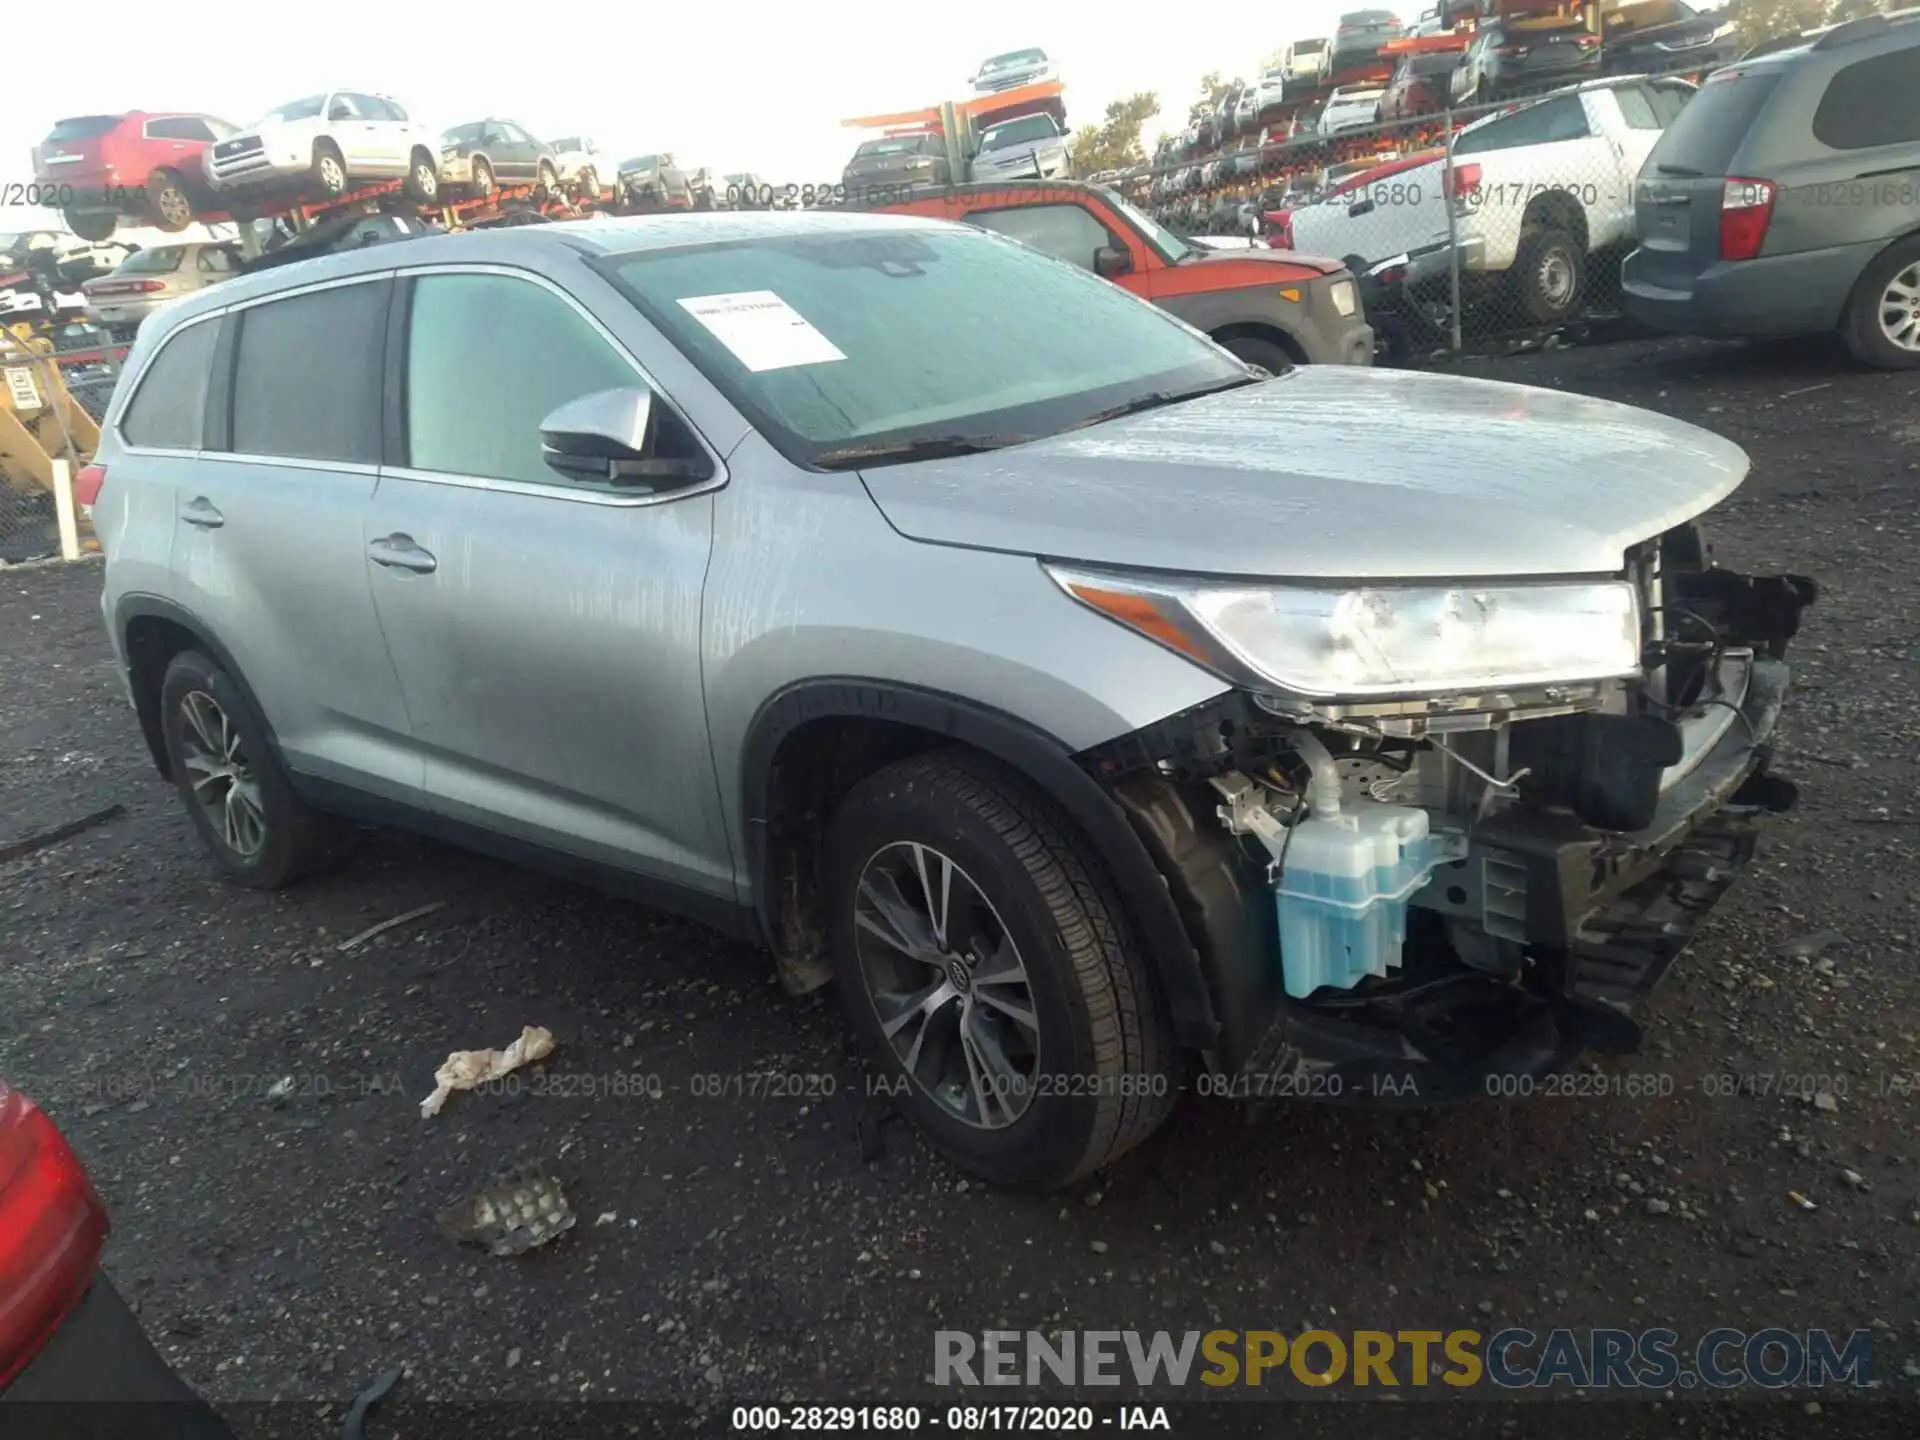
point(1104, 716)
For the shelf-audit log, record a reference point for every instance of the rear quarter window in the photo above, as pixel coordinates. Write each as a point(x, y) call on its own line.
point(1860, 110)
point(1706, 135)
point(169, 409)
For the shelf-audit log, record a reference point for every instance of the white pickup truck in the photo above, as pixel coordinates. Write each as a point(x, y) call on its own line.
point(1537, 190)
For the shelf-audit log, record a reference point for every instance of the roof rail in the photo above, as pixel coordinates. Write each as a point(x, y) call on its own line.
point(1867, 27)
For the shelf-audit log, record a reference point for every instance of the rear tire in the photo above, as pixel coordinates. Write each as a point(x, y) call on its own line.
point(1887, 295)
point(91, 225)
point(1035, 1102)
point(1549, 275)
point(230, 778)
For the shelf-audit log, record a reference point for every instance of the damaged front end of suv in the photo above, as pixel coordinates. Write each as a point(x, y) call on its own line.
point(1440, 835)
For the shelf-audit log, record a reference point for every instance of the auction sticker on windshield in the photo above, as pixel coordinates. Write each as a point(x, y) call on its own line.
point(762, 330)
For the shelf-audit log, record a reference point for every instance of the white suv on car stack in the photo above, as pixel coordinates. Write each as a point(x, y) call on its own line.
point(324, 144)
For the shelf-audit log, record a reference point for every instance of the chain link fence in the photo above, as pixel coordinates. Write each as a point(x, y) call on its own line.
point(1469, 226)
point(56, 389)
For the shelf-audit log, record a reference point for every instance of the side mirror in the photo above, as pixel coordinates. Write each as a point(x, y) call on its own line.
point(1110, 262)
point(607, 438)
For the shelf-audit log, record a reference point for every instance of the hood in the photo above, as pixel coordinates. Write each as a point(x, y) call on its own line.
point(1266, 257)
point(1333, 472)
point(1698, 28)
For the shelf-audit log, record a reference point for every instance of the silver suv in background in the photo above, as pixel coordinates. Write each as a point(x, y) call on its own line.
point(1785, 198)
point(323, 145)
point(1091, 708)
point(1030, 148)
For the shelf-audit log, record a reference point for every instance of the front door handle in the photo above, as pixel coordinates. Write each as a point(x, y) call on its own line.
point(200, 511)
point(399, 552)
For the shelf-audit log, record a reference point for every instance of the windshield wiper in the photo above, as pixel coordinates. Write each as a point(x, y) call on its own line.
point(922, 447)
point(1157, 398)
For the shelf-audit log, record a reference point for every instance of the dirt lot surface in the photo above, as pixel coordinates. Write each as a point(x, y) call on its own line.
point(747, 1246)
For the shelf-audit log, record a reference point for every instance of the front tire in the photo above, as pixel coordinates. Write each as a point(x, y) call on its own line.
point(423, 178)
point(168, 204)
point(1264, 353)
point(548, 181)
point(329, 171)
point(1882, 327)
point(988, 972)
point(231, 781)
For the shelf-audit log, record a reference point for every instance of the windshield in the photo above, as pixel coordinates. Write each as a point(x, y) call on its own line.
point(642, 162)
point(570, 142)
point(307, 109)
point(1024, 131)
point(159, 260)
point(1309, 47)
point(1170, 247)
point(819, 339)
point(463, 134)
point(1015, 57)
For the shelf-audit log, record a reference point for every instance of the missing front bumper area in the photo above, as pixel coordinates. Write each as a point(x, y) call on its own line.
point(1575, 924)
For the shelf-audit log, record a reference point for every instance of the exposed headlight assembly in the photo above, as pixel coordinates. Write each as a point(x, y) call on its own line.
point(1378, 642)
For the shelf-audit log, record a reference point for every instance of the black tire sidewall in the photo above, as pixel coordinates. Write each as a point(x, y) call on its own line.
point(1045, 1145)
point(81, 223)
point(1863, 334)
point(278, 860)
point(1264, 353)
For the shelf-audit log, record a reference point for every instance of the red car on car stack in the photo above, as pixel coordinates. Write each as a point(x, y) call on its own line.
point(143, 165)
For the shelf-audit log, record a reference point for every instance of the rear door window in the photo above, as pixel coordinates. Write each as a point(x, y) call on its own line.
point(1871, 103)
point(307, 373)
point(170, 407)
point(1563, 119)
point(1706, 135)
point(179, 127)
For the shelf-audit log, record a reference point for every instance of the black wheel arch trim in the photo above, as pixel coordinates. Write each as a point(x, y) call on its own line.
point(138, 606)
point(1038, 756)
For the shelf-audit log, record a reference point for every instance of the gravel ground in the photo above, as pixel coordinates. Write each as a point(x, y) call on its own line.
point(744, 1247)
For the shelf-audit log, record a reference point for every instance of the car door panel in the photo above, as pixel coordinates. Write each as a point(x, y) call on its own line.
point(267, 548)
point(550, 656)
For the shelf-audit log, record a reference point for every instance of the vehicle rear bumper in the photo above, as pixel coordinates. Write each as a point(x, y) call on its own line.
point(1774, 295)
point(100, 1376)
point(120, 312)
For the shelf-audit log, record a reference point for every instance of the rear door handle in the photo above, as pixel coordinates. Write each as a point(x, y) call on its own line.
point(399, 552)
point(200, 511)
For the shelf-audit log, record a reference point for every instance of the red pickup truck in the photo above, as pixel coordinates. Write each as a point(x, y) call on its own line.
point(1272, 308)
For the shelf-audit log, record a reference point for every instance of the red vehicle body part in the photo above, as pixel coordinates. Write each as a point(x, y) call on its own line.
point(52, 1230)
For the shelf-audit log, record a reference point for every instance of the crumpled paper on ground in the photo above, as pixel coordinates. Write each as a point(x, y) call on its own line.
point(465, 1069)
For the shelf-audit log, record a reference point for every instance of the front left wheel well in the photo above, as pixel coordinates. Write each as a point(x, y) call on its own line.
point(811, 745)
point(1272, 334)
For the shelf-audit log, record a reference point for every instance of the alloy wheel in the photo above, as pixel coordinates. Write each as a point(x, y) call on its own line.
point(333, 176)
point(948, 985)
point(222, 774)
point(1899, 309)
point(173, 205)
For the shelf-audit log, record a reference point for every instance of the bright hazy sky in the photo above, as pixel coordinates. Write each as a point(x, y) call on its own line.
point(759, 87)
